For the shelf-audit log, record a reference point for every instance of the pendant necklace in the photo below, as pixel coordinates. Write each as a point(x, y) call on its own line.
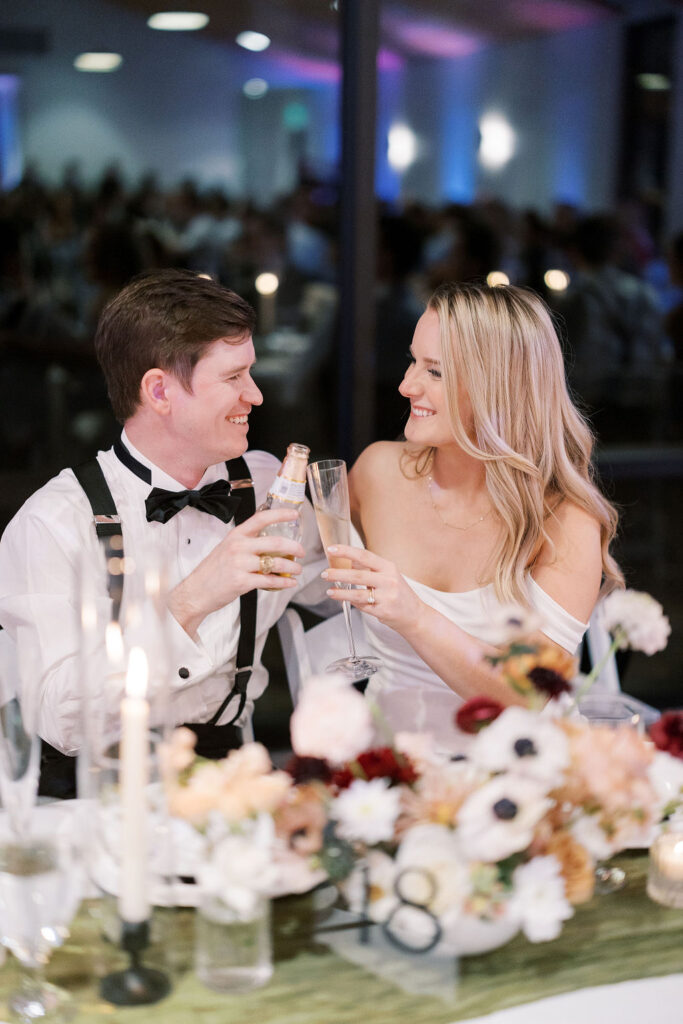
point(444, 521)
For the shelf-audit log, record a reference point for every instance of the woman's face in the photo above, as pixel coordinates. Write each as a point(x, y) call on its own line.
point(423, 386)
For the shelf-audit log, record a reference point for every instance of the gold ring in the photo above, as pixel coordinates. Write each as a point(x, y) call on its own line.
point(371, 598)
point(265, 564)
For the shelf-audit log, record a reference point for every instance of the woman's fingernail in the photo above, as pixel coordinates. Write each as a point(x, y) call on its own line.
point(333, 549)
point(329, 593)
point(324, 574)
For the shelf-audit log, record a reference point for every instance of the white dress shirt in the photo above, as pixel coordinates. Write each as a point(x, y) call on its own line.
point(49, 554)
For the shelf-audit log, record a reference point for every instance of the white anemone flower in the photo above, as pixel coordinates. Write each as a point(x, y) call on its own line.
point(511, 623)
point(525, 743)
point(635, 620)
point(366, 812)
point(538, 900)
point(498, 819)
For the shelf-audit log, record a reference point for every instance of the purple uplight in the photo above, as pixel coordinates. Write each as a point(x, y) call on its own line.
point(308, 68)
point(431, 38)
point(554, 16)
point(387, 60)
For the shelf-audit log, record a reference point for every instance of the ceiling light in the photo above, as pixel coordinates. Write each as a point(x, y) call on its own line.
point(255, 88)
point(653, 83)
point(556, 280)
point(497, 278)
point(178, 21)
point(254, 41)
point(98, 61)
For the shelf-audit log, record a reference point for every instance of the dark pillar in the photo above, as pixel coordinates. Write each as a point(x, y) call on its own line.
point(359, 23)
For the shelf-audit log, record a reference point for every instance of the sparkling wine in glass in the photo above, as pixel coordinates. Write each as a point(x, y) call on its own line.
point(329, 487)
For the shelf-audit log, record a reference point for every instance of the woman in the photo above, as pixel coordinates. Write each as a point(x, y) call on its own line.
point(488, 502)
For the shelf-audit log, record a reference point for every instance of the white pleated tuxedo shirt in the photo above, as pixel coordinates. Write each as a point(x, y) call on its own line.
point(49, 554)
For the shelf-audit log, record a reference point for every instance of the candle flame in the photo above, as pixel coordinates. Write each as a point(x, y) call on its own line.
point(113, 641)
point(136, 677)
point(88, 616)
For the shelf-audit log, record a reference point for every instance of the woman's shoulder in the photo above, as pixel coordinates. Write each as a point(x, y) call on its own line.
point(571, 523)
point(382, 457)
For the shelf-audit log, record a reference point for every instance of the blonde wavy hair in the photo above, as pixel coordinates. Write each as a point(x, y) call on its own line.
point(501, 347)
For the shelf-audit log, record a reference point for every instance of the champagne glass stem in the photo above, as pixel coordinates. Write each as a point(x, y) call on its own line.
point(349, 631)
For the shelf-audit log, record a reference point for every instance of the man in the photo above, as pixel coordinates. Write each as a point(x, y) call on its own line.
point(176, 351)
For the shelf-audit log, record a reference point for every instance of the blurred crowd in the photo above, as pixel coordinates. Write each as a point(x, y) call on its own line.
point(616, 288)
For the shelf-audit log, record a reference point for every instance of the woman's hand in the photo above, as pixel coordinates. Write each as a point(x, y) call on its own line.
point(387, 596)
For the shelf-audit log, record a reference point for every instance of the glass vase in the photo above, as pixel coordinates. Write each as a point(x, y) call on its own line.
point(233, 943)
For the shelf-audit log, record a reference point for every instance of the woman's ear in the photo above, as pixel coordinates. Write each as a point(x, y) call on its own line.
point(154, 391)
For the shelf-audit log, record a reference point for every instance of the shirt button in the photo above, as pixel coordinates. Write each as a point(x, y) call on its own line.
point(184, 673)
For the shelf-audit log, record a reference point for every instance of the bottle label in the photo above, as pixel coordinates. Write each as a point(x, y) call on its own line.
point(293, 491)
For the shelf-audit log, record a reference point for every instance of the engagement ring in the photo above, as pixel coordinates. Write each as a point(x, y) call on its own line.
point(371, 598)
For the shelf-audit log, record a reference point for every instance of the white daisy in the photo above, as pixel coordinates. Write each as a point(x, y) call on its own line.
point(539, 900)
point(366, 812)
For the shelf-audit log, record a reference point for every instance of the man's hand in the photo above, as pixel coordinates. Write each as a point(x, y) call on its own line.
point(233, 568)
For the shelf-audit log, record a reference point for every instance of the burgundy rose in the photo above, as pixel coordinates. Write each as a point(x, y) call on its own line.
point(308, 769)
point(547, 681)
point(667, 733)
point(476, 713)
point(378, 763)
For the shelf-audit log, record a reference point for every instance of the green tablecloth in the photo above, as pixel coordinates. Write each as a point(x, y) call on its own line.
point(614, 938)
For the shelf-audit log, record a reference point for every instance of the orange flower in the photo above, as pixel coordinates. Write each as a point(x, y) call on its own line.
point(300, 820)
point(517, 667)
point(576, 865)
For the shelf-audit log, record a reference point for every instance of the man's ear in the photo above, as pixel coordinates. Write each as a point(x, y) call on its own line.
point(154, 391)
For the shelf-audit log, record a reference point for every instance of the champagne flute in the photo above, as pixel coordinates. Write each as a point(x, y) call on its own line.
point(330, 494)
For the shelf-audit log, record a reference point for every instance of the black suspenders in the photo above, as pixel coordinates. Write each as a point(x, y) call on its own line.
point(108, 527)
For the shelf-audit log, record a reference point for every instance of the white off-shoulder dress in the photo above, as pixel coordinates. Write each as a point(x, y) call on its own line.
point(410, 695)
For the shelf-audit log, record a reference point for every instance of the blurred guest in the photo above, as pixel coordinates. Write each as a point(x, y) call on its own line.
point(614, 328)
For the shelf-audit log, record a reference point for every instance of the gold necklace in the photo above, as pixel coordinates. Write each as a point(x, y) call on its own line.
point(444, 521)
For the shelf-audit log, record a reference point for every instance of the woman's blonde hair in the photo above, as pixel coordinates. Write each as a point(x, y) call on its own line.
point(500, 346)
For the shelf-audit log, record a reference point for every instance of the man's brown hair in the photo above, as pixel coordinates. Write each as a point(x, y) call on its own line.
point(164, 319)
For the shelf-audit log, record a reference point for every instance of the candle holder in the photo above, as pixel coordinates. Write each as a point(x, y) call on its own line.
point(665, 874)
point(136, 985)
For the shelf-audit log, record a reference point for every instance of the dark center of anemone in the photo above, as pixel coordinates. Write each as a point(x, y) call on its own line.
point(525, 747)
point(505, 809)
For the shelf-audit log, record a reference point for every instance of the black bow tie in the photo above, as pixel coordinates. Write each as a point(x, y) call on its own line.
point(213, 498)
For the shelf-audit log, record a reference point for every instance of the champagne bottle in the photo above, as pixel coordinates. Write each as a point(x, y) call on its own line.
point(288, 491)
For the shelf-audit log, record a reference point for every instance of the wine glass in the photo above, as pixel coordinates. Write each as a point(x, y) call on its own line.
point(330, 494)
point(612, 710)
point(40, 889)
point(19, 740)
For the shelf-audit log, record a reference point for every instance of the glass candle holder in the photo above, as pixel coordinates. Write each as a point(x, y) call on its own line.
point(665, 875)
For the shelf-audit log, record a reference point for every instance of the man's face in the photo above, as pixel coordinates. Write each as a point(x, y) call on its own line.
point(210, 422)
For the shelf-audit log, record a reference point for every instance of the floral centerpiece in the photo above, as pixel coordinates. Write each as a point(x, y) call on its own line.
point(456, 855)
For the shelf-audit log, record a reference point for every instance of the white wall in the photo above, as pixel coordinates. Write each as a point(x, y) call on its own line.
point(172, 106)
point(559, 93)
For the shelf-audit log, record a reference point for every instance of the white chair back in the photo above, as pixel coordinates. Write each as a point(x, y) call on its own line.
point(307, 653)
